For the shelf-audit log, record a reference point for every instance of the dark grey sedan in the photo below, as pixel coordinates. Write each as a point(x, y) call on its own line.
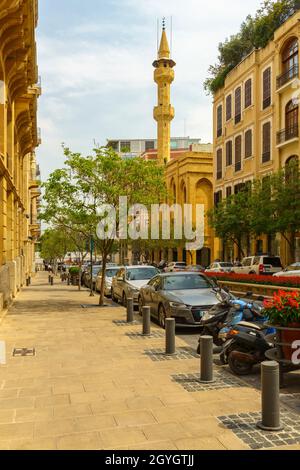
point(185, 296)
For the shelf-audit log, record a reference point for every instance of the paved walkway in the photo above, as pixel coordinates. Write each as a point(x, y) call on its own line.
point(91, 386)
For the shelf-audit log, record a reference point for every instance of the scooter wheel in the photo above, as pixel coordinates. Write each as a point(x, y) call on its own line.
point(239, 367)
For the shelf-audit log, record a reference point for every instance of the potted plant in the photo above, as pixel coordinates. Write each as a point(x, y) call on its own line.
point(74, 275)
point(283, 311)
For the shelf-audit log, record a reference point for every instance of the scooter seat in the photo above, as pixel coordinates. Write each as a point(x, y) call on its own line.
point(255, 326)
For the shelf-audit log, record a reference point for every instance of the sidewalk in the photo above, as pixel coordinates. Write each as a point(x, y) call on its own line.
point(91, 386)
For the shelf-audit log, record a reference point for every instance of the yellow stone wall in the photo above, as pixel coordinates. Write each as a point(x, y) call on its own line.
point(19, 191)
point(254, 116)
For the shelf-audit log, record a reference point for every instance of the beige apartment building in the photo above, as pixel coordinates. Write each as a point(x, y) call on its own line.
point(19, 136)
point(256, 125)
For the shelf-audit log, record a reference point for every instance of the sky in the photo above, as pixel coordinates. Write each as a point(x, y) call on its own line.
point(95, 60)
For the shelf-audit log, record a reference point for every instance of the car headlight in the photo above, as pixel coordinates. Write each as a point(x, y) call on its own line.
point(177, 305)
point(207, 316)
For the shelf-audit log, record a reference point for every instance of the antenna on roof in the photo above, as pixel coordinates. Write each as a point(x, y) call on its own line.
point(157, 34)
point(171, 41)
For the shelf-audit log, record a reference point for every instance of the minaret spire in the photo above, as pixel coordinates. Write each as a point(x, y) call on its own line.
point(164, 112)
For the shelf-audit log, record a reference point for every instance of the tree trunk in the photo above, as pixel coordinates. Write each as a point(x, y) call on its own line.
point(104, 260)
point(291, 244)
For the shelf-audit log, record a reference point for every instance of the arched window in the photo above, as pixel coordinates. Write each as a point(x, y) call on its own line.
point(291, 120)
point(290, 57)
point(292, 167)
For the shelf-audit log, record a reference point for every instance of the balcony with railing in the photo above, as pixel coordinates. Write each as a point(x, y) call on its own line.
point(285, 135)
point(287, 76)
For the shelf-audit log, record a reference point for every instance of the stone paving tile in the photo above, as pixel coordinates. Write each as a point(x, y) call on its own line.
point(36, 444)
point(108, 406)
point(181, 354)
point(80, 441)
point(33, 415)
point(195, 443)
point(122, 436)
point(171, 430)
point(42, 402)
point(244, 427)
point(16, 430)
point(154, 445)
point(142, 403)
point(95, 422)
point(15, 403)
point(7, 416)
point(134, 418)
point(54, 427)
point(71, 411)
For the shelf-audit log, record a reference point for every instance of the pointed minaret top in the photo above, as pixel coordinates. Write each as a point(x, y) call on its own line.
point(164, 50)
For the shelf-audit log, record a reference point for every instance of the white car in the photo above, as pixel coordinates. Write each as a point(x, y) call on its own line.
point(260, 265)
point(219, 267)
point(110, 272)
point(290, 271)
point(175, 266)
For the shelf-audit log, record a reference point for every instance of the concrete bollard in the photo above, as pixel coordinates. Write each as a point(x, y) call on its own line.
point(207, 370)
point(130, 310)
point(170, 336)
point(146, 321)
point(270, 393)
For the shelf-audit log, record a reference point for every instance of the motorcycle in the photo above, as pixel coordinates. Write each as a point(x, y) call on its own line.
point(246, 346)
point(222, 317)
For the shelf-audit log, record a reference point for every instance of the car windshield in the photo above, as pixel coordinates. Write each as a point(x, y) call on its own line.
point(226, 265)
point(275, 262)
point(140, 274)
point(186, 282)
point(96, 269)
point(111, 272)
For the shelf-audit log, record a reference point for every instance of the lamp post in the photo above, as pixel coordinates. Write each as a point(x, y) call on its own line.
point(91, 259)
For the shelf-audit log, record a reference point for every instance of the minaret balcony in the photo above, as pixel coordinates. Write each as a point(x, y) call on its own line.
point(164, 113)
point(164, 75)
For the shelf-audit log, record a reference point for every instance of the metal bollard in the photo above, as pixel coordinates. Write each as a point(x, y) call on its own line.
point(170, 336)
point(130, 310)
point(207, 371)
point(146, 321)
point(27, 282)
point(49, 278)
point(270, 389)
point(52, 280)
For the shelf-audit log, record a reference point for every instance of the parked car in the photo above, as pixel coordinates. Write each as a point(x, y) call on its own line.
point(196, 268)
point(259, 265)
point(290, 271)
point(220, 267)
point(175, 267)
point(110, 272)
point(128, 281)
point(90, 281)
point(185, 296)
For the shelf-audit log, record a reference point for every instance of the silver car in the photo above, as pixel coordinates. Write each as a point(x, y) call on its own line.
point(129, 280)
point(110, 272)
point(185, 296)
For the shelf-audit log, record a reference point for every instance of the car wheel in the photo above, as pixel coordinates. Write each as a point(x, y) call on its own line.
point(141, 305)
point(162, 316)
point(124, 300)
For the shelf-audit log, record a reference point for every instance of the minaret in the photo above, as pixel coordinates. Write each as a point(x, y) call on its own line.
point(163, 112)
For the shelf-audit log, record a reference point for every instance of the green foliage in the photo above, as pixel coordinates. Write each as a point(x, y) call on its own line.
point(54, 244)
point(255, 32)
point(271, 206)
point(74, 270)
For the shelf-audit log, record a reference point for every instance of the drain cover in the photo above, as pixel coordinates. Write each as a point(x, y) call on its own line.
point(17, 352)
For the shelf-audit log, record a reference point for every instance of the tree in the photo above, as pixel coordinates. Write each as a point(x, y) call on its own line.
point(81, 196)
point(255, 32)
point(231, 219)
point(54, 245)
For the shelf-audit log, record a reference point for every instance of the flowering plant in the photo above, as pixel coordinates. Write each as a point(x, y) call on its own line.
point(283, 309)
